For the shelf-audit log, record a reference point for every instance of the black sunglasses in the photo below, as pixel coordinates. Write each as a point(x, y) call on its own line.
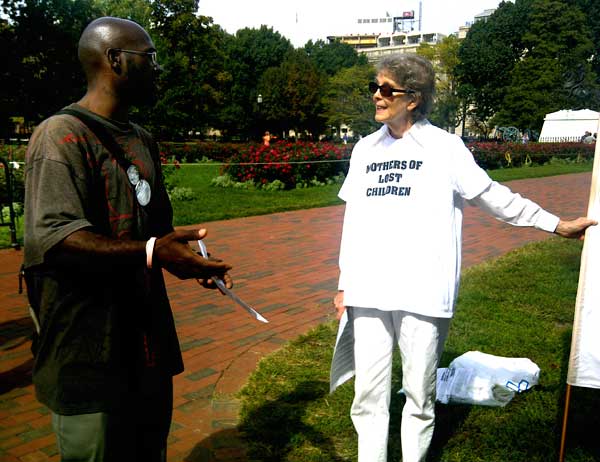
point(386, 90)
point(150, 54)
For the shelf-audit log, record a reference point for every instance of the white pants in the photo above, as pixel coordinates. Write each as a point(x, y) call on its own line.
point(421, 341)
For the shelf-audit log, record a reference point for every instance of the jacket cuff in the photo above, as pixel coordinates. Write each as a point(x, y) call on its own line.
point(547, 222)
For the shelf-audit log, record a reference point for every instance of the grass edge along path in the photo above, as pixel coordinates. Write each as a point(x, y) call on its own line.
point(519, 305)
point(215, 203)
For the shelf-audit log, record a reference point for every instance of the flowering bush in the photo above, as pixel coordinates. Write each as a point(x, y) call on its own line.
point(290, 163)
point(491, 155)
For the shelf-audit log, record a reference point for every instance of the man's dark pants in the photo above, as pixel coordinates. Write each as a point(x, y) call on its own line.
point(138, 433)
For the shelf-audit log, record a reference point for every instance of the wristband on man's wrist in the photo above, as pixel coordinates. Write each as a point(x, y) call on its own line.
point(150, 251)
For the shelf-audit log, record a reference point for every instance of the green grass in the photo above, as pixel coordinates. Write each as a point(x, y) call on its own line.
point(216, 203)
point(212, 203)
point(539, 171)
point(5, 234)
point(520, 305)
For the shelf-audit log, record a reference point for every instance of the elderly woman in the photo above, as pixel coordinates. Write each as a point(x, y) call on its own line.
point(401, 250)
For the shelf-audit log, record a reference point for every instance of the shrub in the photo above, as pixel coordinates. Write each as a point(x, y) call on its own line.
point(15, 155)
point(491, 156)
point(223, 181)
point(170, 165)
point(13, 152)
point(180, 193)
point(199, 151)
point(274, 185)
point(226, 181)
point(288, 163)
point(17, 209)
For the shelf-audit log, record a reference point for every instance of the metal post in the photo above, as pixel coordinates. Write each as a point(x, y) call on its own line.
point(563, 437)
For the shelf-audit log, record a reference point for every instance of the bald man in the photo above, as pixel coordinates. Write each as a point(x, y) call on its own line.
point(98, 231)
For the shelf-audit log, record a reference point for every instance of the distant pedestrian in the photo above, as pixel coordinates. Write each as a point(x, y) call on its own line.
point(267, 139)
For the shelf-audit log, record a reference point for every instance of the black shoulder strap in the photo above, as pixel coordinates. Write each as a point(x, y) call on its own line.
point(114, 150)
point(102, 134)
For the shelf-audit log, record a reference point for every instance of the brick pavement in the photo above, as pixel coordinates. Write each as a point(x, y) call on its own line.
point(285, 265)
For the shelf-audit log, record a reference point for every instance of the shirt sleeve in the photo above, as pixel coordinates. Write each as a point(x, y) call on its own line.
point(344, 192)
point(470, 179)
point(503, 204)
point(56, 190)
point(348, 186)
point(341, 281)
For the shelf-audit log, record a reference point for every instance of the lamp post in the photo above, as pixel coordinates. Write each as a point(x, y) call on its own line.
point(259, 100)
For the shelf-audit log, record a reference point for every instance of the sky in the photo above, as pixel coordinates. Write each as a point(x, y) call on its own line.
point(302, 20)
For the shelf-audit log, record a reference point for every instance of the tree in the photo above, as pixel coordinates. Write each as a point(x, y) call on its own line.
point(447, 111)
point(557, 43)
point(8, 85)
point(139, 11)
point(45, 74)
point(487, 56)
point(347, 100)
point(330, 58)
point(530, 58)
point(591, 10)
point(249, 54)
point(190, 50)
point(291, 95)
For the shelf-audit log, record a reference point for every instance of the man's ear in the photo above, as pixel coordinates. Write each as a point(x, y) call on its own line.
point(114, 59)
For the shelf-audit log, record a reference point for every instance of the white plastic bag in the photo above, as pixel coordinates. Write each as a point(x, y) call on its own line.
point(488, 380)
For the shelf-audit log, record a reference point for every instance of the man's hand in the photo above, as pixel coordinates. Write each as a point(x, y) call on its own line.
point(338, 302)
point(574, 229)
point(174, 253)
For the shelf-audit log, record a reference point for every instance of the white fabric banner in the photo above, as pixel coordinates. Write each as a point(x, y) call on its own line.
point(584, 362)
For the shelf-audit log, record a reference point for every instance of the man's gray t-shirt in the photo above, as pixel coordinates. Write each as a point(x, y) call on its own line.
point(104, 331)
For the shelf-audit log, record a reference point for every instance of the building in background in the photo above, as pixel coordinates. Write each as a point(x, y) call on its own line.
point(379, 36)
point(484, 16)
point(376, 37)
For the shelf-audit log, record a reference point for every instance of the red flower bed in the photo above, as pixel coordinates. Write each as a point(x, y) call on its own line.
point(290, 163)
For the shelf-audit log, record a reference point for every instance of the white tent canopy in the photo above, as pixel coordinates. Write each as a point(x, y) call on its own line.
point(567, 125)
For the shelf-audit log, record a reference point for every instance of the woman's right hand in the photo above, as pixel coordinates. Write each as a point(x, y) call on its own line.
point(338, 303)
